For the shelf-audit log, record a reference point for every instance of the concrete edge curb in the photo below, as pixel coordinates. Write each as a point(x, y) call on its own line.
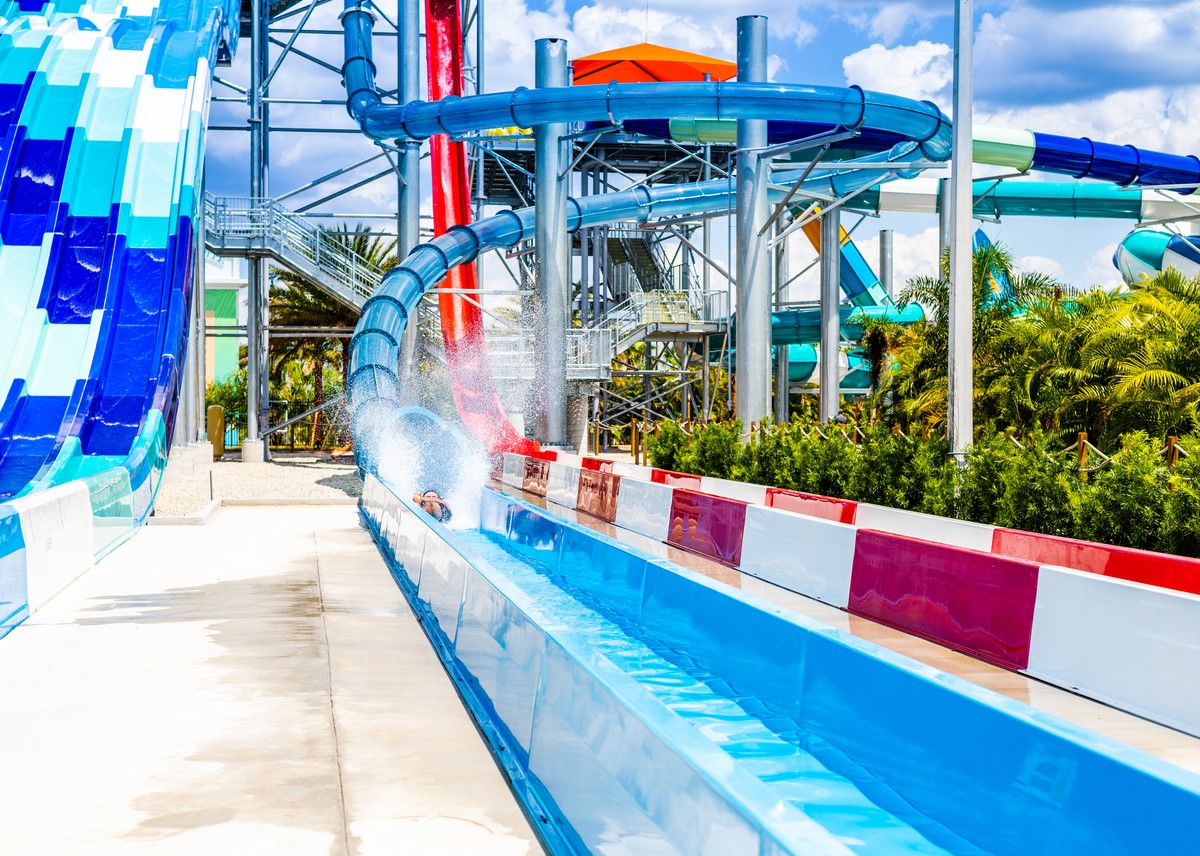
point(200, 518)
point(332, 500)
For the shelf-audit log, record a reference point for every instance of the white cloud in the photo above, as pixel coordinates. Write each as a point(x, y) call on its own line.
point(922, 71)
point(1034, 52)
point(1100, 270)
point(1042, 264)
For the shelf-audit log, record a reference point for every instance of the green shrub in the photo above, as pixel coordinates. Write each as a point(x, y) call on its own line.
point(666, 448)
point(831, 464)
point(1039, 488)
point(714, 450)
point(1125, 502)
point(883, 469)
point(933, 488)
point(1181, 516)
point(981, 481)
point(768, 460)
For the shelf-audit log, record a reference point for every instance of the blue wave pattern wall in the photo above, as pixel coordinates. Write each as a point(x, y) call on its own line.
point(103, 108)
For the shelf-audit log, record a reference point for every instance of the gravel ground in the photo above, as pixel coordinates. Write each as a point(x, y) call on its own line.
point(289, 476)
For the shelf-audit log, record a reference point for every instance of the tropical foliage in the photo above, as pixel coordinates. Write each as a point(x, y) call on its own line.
point(295, 302)
point(1105, 362)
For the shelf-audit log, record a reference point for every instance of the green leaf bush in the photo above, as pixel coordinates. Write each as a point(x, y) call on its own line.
point(1136, 500)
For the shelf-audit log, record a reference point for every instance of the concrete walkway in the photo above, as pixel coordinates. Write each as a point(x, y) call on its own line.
point(256, 685)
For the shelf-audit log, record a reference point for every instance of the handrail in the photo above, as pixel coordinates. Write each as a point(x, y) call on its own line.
point(250, 218)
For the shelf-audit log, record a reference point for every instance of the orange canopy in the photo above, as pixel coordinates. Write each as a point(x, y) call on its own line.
point(646, 63)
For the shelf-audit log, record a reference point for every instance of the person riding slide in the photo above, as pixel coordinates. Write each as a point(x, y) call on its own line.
point(433, 505)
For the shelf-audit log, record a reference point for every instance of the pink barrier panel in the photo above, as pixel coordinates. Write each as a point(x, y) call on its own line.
point(709, 525)
point(1139, 566)
point(537, 473)
point(976, 602)
point(812, 505)
point(671, 479)
point(598, 492)
point(598, 464)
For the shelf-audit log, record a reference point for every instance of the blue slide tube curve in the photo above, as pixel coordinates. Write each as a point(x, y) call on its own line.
point(918, 121)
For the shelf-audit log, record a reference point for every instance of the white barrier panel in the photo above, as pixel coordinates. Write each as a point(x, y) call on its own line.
point(569, 459)
point(804, 554)
point(57, 527)
point(514, 470)
point(631, 471)
point(928, 527)
point(755, 494)
point(1133, 646)
point(644, 507)
point(562, 485)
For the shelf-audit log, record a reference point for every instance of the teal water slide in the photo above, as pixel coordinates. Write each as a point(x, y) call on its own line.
point(103, 109)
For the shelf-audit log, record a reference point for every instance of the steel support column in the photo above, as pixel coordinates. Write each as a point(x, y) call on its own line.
point(753, 267)
point(887, 255)
point(553, 249)
point(960, 416)
point(831, 339)
point(781, 351)
point(408, 208)
point(256, 278)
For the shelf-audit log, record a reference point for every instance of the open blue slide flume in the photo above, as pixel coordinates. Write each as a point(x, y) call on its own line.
point(639, 708)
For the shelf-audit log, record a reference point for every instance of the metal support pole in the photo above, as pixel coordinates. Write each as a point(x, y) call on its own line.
point(408, 202)
point(585, 267)
point(831, 233)
point(553, 250)
point(252, 445)
point(200, 290)
point(781, 351)
point(945, 219)
point(706, 244)
point(960, 417)
point(783, 367)
point(753, 268)
point(887, 255)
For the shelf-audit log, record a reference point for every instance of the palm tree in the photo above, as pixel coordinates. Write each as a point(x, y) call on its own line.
point(296, 302)
point(918, 383)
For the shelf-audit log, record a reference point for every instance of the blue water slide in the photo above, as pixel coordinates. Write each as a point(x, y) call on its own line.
point(102, 115)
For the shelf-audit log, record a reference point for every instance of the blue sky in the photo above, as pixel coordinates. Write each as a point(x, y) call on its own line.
point(1121, 72)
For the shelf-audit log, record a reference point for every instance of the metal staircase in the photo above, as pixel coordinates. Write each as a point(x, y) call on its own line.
point(241, 227)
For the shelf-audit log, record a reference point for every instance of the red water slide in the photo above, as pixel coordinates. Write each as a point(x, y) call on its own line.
point(462, 321)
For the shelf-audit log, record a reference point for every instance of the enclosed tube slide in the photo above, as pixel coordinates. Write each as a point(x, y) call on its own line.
point(1079, 157)
point(103, 118)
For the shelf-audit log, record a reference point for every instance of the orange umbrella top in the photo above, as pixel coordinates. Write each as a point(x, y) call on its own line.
point(646, 63)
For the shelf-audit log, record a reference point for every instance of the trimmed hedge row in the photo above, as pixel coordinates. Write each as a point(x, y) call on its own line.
point(1134, 501)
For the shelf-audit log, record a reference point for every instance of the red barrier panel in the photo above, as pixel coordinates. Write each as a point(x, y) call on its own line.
point(598, 464)
point(1125, 563)
point(672, 479)
point(976, 602)
point(545, 455)
point(812, 505)
point(709, 525)
point(598, 493)
point(537, 473)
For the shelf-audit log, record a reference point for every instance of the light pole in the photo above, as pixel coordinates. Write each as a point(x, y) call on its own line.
point(960, 417)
